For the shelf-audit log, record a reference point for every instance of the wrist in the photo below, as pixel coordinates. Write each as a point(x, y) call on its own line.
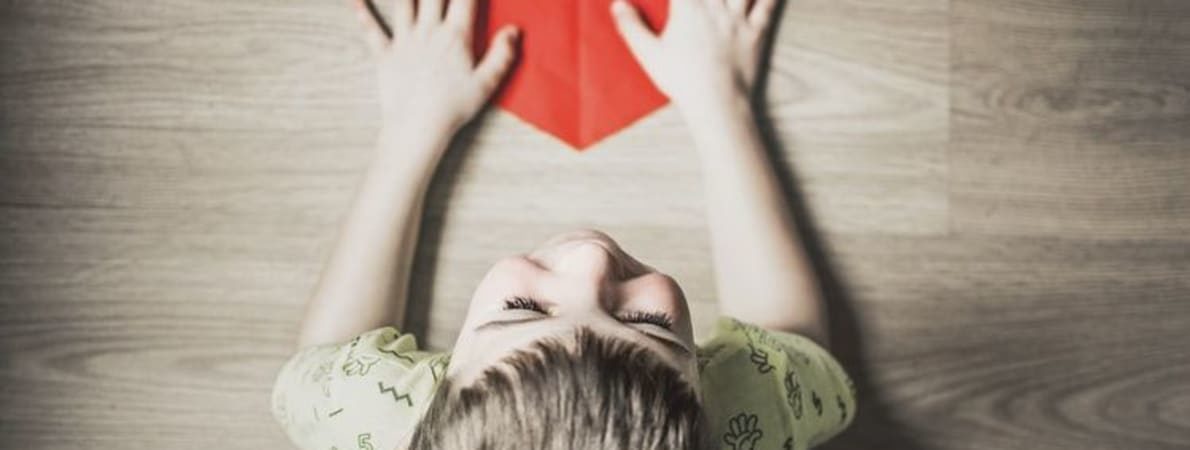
point(420, 122)
point(716, 115)
point(724, 128)
point(714, 108)
point(415, 149)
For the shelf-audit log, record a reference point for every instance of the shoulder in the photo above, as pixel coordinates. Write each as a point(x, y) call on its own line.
point(368, 391)
point(771, 388)
point(386, 346)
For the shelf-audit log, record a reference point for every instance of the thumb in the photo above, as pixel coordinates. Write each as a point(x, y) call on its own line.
point(498, 59)
point(641, 40)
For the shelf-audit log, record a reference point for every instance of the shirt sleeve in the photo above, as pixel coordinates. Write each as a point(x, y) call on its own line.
point(367, 393)
point(765, 389)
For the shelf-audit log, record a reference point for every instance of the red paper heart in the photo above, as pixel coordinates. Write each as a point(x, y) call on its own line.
point(574, 77)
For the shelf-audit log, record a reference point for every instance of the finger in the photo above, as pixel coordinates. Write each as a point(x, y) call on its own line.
point(641, 40)
point(461, 12)
point(429, 11)
point(402, 16)
point(373, 32)
point(497, 59)
point(737, 8)
point(761, 15)
point(715, 6)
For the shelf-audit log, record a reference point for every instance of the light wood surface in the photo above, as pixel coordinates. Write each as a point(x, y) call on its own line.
point(997, 188)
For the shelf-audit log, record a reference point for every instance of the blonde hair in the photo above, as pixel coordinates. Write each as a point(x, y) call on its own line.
point(597, 393)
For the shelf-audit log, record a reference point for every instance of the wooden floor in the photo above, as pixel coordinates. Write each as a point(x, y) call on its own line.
point(999, 188)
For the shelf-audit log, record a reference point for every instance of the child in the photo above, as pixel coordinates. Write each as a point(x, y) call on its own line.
point(575, 344)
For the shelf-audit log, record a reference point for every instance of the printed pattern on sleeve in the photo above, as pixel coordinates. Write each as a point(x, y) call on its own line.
point(366, 393)
point(765, 389)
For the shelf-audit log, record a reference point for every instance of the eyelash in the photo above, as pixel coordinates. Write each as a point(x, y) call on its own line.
point(656, 318)
point(523, 303)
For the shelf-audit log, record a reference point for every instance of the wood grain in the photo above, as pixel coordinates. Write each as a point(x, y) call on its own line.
point(999, 192)
point(1072, 119)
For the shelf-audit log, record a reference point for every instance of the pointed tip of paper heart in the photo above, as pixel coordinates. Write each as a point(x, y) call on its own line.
point(582, 143)
point(579, 144)
point(574, 144)
point(578, 101)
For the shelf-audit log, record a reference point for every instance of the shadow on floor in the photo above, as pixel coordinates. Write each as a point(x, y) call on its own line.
point(421, 286)
point(875, 424)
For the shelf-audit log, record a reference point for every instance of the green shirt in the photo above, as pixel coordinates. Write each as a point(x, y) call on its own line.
point(761, 389)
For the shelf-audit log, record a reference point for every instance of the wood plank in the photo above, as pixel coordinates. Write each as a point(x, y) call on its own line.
point(985, 343)
point(858, 95)
point(1072, 118)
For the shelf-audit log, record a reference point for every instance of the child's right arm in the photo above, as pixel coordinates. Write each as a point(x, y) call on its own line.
point(706, 61)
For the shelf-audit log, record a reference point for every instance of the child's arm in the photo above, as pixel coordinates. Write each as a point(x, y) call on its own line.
point(762, 270)
point(706, 60)
point(429, 87)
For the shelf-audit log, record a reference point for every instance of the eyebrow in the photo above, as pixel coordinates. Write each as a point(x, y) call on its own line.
point(674, 345)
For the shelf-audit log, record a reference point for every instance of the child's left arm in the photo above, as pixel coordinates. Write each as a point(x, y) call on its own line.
point(429, 87)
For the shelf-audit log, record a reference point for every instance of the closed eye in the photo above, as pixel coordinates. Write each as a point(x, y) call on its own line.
point(656, 318)
point(523, 303)
point(659, 319)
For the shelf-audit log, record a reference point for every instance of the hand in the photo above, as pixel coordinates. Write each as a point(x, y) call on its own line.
point(427, 75)
point(743, 432)
point(708, 53)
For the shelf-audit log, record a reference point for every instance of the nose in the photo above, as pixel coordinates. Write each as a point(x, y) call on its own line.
point(588, 260)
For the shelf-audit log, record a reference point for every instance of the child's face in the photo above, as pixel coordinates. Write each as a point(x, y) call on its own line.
point(581, 278)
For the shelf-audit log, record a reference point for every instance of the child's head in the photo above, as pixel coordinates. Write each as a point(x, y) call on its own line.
point(569, 346)
point(575, 279)
point(584, 391)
